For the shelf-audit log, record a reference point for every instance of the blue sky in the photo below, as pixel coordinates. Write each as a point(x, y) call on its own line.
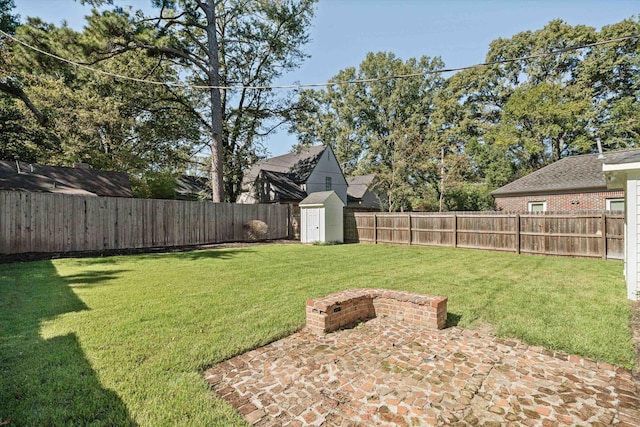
point(459, 31)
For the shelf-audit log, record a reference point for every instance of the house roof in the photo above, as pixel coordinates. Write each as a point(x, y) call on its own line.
point(571, 174)
point(318, 198)
point(57, 179)
point(358, 186)
point(188, 187)
point(283, 186)
point(297, 165)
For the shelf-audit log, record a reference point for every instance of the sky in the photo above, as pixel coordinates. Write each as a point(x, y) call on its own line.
point(344, 31)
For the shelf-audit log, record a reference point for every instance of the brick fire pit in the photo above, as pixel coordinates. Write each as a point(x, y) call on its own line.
point(346, 308)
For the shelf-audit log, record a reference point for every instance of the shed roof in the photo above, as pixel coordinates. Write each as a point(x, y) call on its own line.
point(58, 179)
point(319, 198)
point(571, 174)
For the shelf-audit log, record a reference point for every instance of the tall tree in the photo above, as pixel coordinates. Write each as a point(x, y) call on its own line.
point(91, 117)
point(380, 126)
point(232, 44)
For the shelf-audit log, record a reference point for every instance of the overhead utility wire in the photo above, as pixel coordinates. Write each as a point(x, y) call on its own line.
point(310, 85)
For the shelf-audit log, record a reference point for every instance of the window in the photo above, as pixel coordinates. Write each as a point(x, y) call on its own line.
point(327, 183)
point(537, 207)
point(615, 204)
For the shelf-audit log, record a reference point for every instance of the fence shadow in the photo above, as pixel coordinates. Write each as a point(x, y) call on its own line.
point(47, 381)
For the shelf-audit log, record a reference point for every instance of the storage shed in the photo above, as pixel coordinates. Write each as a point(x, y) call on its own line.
point(321, 218)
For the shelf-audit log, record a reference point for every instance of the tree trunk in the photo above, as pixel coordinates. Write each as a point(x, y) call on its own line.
point(217, 161)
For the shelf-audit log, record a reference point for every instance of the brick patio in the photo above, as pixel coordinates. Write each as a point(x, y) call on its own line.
point(385, 372)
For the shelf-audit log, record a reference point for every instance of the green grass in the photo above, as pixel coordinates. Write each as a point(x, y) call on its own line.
point(124, 340)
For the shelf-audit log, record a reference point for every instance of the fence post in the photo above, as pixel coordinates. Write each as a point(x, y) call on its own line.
point(518, 233)
point(375, 229)
point(410, 239)
point(603, 228)
point(455, 230)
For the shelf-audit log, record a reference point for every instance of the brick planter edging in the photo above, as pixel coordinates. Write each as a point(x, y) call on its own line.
point(345, 308)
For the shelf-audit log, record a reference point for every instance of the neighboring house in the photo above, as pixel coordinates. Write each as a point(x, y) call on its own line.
point(292, 177)
point(79, 180)
point(362, 194)
point(192, 188)
point(574, 183)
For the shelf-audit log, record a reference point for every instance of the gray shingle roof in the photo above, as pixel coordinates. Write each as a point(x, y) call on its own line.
point(574, 173)
point(189, 187)
point(317, 198)
point(58, 179)
point(358, 185)
point(284, 187)
point(298, 165)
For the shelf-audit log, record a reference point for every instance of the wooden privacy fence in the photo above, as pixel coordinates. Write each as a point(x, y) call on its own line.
point(598, 235)
point(44, 222)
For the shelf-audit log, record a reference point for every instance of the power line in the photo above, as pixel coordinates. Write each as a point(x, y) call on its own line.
point(312, 85)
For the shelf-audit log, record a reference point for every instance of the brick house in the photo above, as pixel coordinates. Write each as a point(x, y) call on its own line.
point(575, 183)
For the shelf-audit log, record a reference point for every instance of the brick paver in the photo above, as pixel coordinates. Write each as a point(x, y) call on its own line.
point(387, 373)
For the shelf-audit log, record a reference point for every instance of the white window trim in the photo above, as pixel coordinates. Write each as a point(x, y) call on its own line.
point(614, 199)
point(530, 204)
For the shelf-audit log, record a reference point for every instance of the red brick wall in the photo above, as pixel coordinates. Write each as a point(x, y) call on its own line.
point(347, 307)
point(594, 201)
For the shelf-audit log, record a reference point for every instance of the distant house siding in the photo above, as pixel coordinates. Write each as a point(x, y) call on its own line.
point(588, 201)
point(328, 167)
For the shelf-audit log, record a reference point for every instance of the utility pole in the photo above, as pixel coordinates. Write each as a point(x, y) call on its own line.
point(441, 178)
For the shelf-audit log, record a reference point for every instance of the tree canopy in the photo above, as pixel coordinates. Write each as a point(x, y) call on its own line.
point(188, 44)
point(434, 140)
point(444, 143)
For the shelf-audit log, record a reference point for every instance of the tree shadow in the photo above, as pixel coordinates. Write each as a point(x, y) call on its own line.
point(93, 277)
point(213, 254)
point(47, 381)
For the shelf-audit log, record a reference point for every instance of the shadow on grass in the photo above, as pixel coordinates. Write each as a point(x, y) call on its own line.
point(453, 319)
point(93, 277)
point(47, 381)
point(213, 254)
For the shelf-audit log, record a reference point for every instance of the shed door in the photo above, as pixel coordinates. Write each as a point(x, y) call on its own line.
point(313, 225)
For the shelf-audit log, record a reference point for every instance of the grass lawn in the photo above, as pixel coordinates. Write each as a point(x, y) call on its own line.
point(124, 340)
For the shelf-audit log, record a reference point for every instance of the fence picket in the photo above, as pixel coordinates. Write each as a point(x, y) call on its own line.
point(43, 222)
point(596, 235)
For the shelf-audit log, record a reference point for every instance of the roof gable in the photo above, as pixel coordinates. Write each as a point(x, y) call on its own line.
point(574, 173)
point(297, 165)
point(320, 198)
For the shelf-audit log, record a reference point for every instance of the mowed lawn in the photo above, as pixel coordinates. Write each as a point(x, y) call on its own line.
point(124, 340)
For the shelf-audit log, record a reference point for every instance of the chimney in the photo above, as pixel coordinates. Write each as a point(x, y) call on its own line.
point(80, 165)
point(17, 164)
